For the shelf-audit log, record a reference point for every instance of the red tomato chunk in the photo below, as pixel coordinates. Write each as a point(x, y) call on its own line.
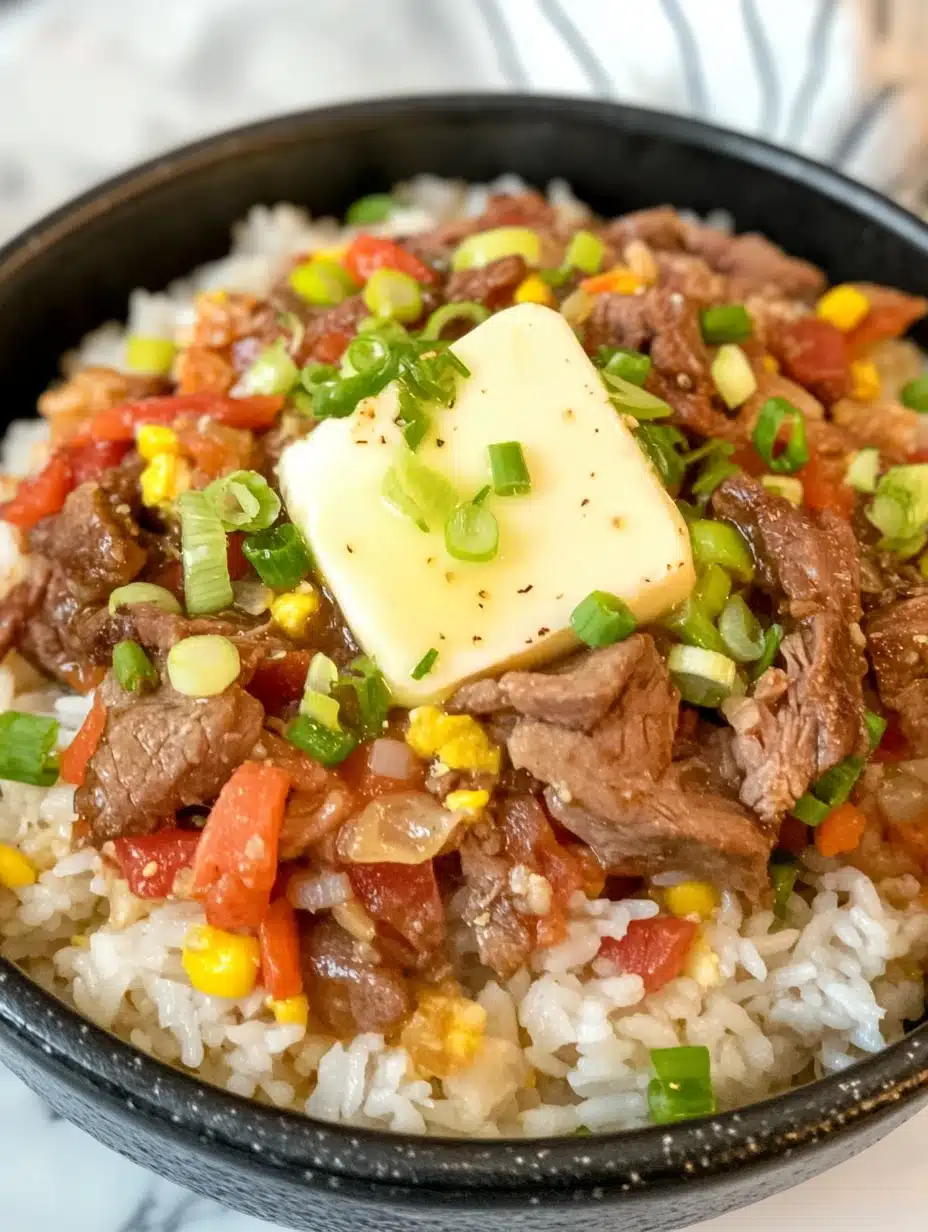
point(151, 862)
point(655, 949)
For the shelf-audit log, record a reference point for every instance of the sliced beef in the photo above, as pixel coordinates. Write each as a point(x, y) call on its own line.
point(492, 285)
point(505, 938)
point(348, 986)
point(897, 638)
point(890, 426)
point(162, 752)
point(157, 631)
point(809, 566)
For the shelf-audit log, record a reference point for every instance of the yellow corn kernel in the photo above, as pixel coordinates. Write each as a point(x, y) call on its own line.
point(457, 739)
point(533, 290)
point(702, 963)
point(770, 362)
point(220, 964)
point(153, 439)
point(163, 479)
point(334, 253)
point(292, 611)
point(691, 898)
point(844, 306)
point(470, 802)
point(16, 870)
point(292, 1011)
point(444, 1034)
point(865, 380)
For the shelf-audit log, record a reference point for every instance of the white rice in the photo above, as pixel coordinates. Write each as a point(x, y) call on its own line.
point(567, 1042)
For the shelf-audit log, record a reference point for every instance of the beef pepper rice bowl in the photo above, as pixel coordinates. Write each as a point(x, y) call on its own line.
point(464, 668)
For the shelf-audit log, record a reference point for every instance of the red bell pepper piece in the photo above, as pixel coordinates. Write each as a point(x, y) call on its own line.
point(40, 495)
point(368, 253)
point(91, 458)
point(151, 862)
point(655, 949)
point(277, 683)
point(823, 487)
point(404, 897)
point(74, 759)
point(279, 938)
point(814, 353)
point(119, 423)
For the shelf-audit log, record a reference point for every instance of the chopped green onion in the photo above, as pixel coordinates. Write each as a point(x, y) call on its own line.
point(322, 282)
point(704, 677)
point(555, 276)
point(486, 246)
point(915, 394)
point(631, 366)
point(810, 810)
point(693, 625)
point(27, 748)
point(203, 665)
point(244, 500)
point(837, 783)
point(733, 375)
point(391, 293)
point(772, 639)
point(368, 353)
point(625, 396)
point(741, 631)
point(783, 876)
point(711, 591)
point(766, 432)
point(899, 509)
point(375, 207)
point(371, 695)
point(278, 556)
point(863, 470)
point(601, 619)
point(472, 533)
point(413, 420)
point(715, 468)
point(425, 664)
point(682, 1086)
point(322, 708)
point(787, 486)
point(322, 674)
point(726, 323)
point(323, 744)
point(720, 543)
point(133, 668)
point(143, 592)
point(154, 355)
point(273, 372)
point(661, 445)
point(418, 492)
point(876, 726)
point(207, 587)
point(507, 466)
point(585, 252)
point(463, 311)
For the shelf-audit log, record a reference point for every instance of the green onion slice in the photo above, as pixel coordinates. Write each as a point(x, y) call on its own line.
point(810, 810)
point(772, 639)
point(244, 500)
point(787, 486)
point(486, 246)
point(472, 533)
point(273, 372)
point(783, 874)
point(370, 693)
point(324, 744)
point(425, 664)
point(463, 312)
point(876, 726)
point(133, 668)
point(631, 366)
point(661, 445)
point(766, 432)
point(720, 543)
point(375, 207)
point(740, 631)
point(733, 375)
point(585, 252)
point(203, 665)
point(863, 470)
point(322, 674)
point(391, 293)
point(716, 467)
point(899, 509)
point(322, 282)
point(154, 355)
point(625, 396)
point(27, 748)
point(914, 394)
point(704, 677)
point(207, 587)
point(507, 466)
point(682, 1085)
point(279, 556)
point(726, 323)
point(602, 619)
point(143, 592)
point(418, 492)
point(711, 591)
point(692, 623)
point(321, 708)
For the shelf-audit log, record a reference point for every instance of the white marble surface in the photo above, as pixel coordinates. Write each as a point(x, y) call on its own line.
point(90, 86)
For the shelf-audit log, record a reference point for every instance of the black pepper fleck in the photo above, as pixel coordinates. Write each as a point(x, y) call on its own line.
point(543, 631)
point(584, 502)
point(439, 442)
point(523, 590)
point(449, 577)
point(484, 594)
point(476, 638)
point(617, 523)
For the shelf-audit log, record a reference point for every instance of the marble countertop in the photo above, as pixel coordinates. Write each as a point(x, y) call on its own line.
point(86, 89)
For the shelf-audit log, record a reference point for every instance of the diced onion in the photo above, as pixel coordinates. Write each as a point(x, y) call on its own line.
point(143, 592)
point(733, 375)
point(204, 665)
point(318, 891)
point(704, 677)
point(487, 246)
point(392, 759)
point(787, 486)
point(903, 797)
point(407, 827)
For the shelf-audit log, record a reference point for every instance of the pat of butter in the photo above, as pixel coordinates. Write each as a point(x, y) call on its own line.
point(597, 517)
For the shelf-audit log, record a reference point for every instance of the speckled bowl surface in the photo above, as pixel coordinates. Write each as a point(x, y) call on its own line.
point(74, 270)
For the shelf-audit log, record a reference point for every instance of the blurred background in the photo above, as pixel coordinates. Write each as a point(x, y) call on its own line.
point(88, 87)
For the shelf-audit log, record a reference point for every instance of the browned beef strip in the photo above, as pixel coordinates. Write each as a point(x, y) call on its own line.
point(897, 638)
point(348, 987)
point(504, 937)
point(491, 285)
point(157, 631)
point(162, 752)
point(809, 566)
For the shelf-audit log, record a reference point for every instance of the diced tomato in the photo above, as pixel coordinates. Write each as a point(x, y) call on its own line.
point(655, 949)
point(90, 459)
point(119, 423)
point(814, 353)
point(151, 862)
point(823, 486)
point(235, 558)
point(841, 831)
point(893, 746)
point(403, 896)
point(279, 938)
point(40, 495)
point(356, 771)
point(566, 876)
point(368, 253)
point(331, 346)
point(794, 836)
point(891, 313)
point(213, 447)
point(278, 683)
point(74, 759)
point(236, 861)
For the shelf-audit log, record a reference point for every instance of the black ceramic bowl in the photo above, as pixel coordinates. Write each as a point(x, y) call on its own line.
point(75, 270)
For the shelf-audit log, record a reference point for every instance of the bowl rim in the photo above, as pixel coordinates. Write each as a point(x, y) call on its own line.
point(38, 1025)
